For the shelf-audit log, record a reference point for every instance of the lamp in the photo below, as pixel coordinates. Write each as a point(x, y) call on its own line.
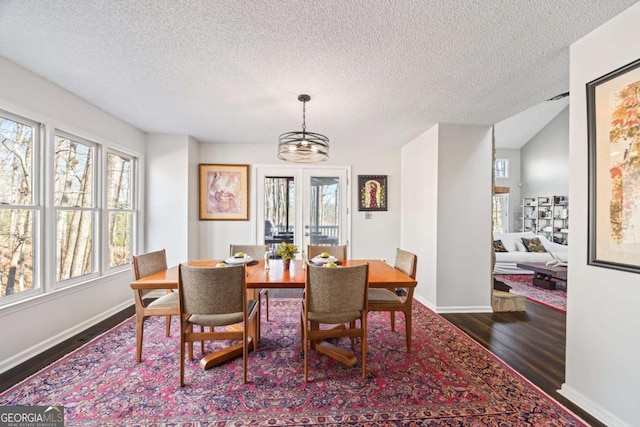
point(303, 147)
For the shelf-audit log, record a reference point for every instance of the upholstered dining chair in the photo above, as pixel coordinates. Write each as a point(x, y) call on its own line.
point(167, 305)
point(215, 297)
point(256, 252)
point(335, 296)
point(338, 251)
point(381, 299)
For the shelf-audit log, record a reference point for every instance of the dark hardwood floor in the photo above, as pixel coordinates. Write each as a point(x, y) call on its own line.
point(531, 342)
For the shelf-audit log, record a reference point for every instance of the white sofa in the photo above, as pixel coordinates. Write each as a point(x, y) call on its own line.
point(506, 261)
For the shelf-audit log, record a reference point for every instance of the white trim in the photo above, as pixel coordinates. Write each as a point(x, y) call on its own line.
point(32, 351)
point(591, 407)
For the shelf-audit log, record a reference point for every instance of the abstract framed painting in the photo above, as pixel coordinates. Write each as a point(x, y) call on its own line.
point(372, 192)
point(613, 118)
point(224, 192)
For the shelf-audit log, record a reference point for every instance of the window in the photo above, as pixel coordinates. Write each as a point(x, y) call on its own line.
point(19, 210)
point(75, 206)
point(120, 211)
point(501, 168)
point(90, 219)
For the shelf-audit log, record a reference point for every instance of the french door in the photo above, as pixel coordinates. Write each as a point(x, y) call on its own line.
point(303, 205)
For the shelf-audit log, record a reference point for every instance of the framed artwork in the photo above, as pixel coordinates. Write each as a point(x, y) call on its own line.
point(372, 191)
point(613, 117)
point(224, 192)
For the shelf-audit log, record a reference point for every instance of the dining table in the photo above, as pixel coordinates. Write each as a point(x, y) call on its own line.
point(275, 276)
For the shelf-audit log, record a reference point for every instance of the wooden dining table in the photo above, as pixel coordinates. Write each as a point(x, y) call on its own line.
point(381, 275)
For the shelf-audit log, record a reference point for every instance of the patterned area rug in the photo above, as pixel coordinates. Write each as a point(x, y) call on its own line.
point(448, 380)
point(521, 284)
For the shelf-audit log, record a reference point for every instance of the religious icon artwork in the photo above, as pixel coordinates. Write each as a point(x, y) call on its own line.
point(372, 192)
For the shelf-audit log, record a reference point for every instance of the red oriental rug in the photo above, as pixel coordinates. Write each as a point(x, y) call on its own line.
point(522, 284)
point(448, 380)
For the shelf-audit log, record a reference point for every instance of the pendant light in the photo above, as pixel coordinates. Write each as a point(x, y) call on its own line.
point(303, 147)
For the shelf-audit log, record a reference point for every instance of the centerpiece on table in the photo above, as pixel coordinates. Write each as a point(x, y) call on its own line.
point(286, 251)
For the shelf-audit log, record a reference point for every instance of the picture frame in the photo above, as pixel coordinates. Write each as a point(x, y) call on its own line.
point(224, 192)
point(372, 192)
point(613, 121)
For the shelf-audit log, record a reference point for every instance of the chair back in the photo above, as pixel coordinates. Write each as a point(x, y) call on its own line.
point(211, 290)
point(339, 289)
point(406, 262)
point(145, 265)
point(338, 251)
point(149, 263)
point(254, 251)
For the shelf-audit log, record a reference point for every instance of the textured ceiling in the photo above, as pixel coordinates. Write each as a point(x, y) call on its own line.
point(379, 72)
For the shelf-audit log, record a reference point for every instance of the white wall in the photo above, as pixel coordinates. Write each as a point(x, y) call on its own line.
point(465, 168)
point(603, 337)
point(446, 181)
point(32, 327)
point(419, 216)
point(167, 196)
point(544, 160)
point(193, 215)
point(370, 238)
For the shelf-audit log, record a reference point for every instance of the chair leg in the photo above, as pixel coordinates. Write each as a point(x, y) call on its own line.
point(393, 320)
point(363, 324)
point(245, 351)
point(190, 343)
point(168, 321)
point(181, 359)
point(407, 322)
point(352, 325)
point(305, 351)
point(265, 292)
point(139, 335)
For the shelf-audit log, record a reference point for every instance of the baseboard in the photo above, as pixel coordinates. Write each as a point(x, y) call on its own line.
point(465, 309)
point(29, 353)
point(458, 309)
point(595, 410)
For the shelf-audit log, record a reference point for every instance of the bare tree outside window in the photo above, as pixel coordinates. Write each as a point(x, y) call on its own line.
point(120, 208)
point(75, 207)
point(17, 210)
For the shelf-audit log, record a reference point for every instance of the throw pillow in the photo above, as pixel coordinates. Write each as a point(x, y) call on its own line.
point(533, 245)
point(498, 246)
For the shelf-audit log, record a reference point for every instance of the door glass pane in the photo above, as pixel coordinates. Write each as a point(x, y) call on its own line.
point(279, 211)
point(325, 211)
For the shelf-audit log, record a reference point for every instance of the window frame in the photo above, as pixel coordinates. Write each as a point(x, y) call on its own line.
point(133, 210)
point(36, 206)
point(45, 210)
point(95, 209)
point(506, 169)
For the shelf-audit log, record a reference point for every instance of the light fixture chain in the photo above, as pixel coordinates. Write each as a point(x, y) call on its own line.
point(304, 115)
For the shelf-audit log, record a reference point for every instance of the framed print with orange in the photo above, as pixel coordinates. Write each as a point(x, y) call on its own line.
point(224, 192)
point(372, 191)
point(613, 117)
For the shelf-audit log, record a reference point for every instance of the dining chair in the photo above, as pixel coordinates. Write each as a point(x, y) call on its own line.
point(167, 305)
point(338, 251)
point(381, 299)
point(216, 298)
point(335, 296)
point(256, 252)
